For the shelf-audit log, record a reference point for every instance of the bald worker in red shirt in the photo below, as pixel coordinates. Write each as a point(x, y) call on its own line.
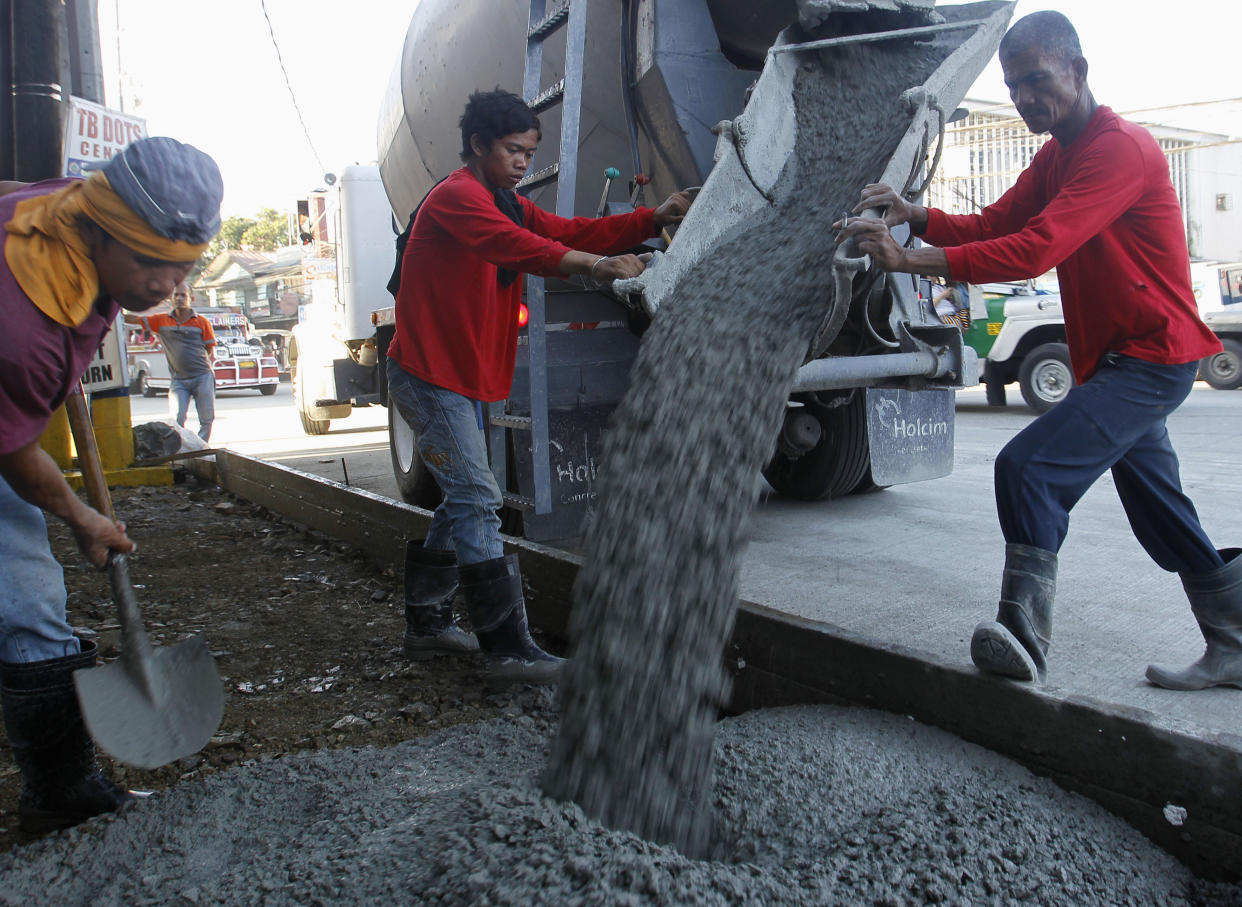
point(1098, 205)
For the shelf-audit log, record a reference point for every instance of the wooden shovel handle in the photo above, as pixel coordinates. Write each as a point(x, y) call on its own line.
point(88, 453)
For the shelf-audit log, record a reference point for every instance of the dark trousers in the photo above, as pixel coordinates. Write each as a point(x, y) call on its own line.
point(1116, 420)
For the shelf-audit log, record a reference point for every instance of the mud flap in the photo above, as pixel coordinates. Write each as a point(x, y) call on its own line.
point(574, 440)
point(910, 434)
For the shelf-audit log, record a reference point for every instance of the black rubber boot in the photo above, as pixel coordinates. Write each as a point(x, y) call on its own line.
point(1016, 643)
point(62, 783)
point(1216, 600)
point(497, 607)
point(430, 587)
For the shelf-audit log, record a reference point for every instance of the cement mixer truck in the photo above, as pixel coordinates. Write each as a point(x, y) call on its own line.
point(668, 94)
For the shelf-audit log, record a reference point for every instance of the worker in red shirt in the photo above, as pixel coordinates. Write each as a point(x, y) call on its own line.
point(1098, 205)
point(454, 350)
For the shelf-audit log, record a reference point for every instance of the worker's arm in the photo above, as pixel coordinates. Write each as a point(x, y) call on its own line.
point(36, 478)
point(874, 239)
point(601, 267)
point(1107, 179)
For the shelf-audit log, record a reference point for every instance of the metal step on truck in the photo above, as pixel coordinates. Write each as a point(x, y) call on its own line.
point(672, 94)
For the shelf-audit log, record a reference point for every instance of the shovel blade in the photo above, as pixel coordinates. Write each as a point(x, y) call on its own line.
point(149, 726)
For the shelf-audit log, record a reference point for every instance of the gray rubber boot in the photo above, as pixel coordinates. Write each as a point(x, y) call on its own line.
point(497, 608)
point(1016, 643)
point(62, 783)
point(430, 587)
point(1216, 600)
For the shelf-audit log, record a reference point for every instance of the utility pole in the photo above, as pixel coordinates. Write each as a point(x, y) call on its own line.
point(38, 114)
point(84, 63)
point(6, 90)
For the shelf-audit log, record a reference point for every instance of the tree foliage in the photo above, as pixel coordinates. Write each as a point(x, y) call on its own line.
point(264, 232)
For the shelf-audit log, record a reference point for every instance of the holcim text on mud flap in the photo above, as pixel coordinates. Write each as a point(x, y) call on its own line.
point(919, 428)
point(575, 474)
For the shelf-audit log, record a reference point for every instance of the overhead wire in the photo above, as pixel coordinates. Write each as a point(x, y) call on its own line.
point(289, 84)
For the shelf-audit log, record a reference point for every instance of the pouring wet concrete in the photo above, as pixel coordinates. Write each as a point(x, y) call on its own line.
point(812, 805)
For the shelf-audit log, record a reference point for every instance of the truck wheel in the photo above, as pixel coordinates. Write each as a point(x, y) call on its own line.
point(1045, 376)
point(838, 464)
point(309, 425)
point(416, 484)
point(867, 485)
point(267, 389)
point(1224, 370)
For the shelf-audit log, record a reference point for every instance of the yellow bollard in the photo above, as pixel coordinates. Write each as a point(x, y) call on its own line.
point(113, 431)
point(57, 441)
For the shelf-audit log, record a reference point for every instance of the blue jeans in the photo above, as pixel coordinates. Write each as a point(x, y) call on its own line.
point(32, 586)
point(203, 389)
point(1116, 420)
point(448, 431)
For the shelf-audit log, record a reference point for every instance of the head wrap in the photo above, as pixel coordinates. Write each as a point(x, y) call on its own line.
point(167, 207)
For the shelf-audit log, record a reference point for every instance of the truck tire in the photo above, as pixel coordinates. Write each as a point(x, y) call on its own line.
point(416, 484)
point(1046, 376)
point(1224, 370)
point(309, 425)
point(834, 467)
point(267, 389)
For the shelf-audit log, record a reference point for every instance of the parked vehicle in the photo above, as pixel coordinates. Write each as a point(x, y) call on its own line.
point(1224, 370)
point(239, 358)
point(1018, 332)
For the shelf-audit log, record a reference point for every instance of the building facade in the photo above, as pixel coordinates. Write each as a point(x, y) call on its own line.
point(984, 153)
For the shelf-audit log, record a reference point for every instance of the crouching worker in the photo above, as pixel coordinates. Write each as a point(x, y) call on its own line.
point(75, 253)
point(454, 351)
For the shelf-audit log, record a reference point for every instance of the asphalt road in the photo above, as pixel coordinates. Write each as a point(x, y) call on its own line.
point(918, 564)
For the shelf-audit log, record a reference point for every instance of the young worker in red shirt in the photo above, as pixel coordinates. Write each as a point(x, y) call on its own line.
point(454, 350)
point(1098, 205)
point(74, 252)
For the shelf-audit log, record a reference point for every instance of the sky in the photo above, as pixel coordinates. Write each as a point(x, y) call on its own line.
point(207, 74)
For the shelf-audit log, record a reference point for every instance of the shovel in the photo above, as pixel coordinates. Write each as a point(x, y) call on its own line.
point(152, 705)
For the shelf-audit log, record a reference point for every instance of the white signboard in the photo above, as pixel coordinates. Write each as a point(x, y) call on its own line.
point(107, 371)
point(95, 133)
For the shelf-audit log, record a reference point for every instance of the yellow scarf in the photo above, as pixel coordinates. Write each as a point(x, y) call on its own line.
point(51, 261)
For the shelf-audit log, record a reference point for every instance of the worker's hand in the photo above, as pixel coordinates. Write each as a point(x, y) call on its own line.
point(873, 238)
point(97, 535)
point(616, 267)
point(896, 209)
point(673, 209)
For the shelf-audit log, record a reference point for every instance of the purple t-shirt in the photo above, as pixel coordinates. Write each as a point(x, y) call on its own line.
point(40, 360)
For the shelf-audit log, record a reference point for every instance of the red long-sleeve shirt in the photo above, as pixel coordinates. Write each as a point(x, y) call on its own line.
point(456, 326)
point(1102, 211)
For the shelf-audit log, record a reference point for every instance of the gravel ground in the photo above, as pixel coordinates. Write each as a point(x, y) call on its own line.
point(814, 805)
point(306, 633)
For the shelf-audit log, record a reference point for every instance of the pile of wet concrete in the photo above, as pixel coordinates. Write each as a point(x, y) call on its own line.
point(812, 805)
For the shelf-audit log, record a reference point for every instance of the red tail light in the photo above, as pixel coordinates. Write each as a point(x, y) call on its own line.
point(523, 314)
